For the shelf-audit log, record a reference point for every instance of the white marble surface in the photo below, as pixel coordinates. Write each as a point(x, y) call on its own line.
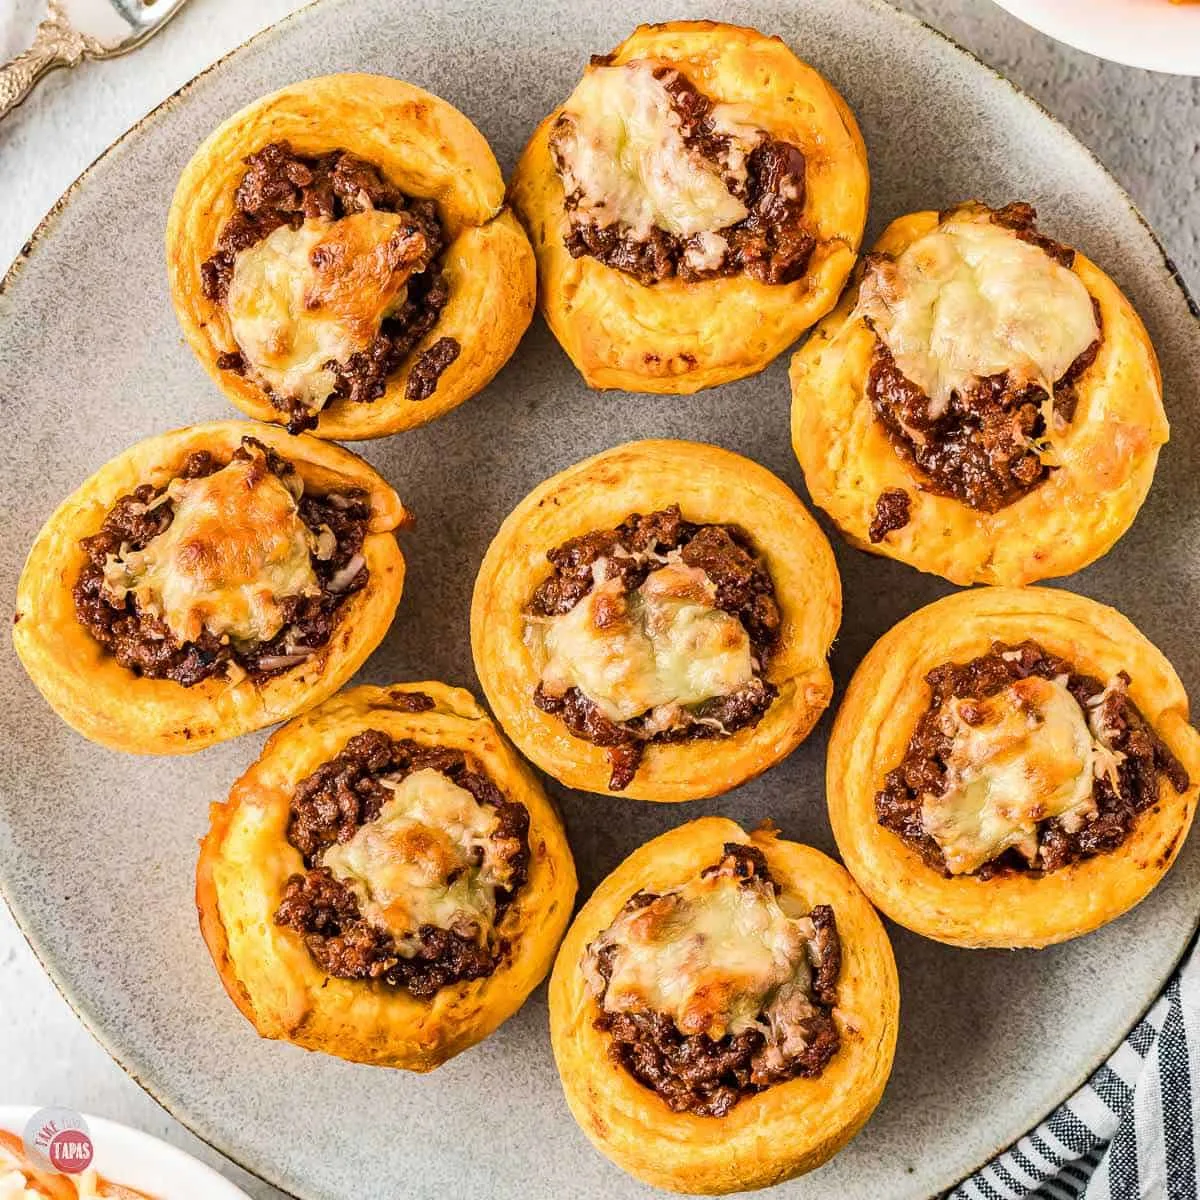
point(1145, 127)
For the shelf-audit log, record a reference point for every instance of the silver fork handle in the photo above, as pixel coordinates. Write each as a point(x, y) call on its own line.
point(56, 44)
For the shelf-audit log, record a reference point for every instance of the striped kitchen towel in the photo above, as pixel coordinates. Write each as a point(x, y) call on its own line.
point(1130, 1133)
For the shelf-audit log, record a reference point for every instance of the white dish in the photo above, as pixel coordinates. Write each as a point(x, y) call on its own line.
point(1154, 34)
point(98, 850)
point(137, 1160)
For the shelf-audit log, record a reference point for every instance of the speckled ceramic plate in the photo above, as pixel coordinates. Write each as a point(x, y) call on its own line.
point(97, 850)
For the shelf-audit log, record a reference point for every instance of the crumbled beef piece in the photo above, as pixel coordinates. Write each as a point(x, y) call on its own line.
point(427, 370)
point(892, 511)
point(413, 702)
point(624, 760)
point(744, 862)
point(585, 720)
point(626, 741)
point(1021, 218)
point(691, 1073)
point(733, 711)
point(572, 577)
point(345, 945)
point(744, 588)
point(829, 954)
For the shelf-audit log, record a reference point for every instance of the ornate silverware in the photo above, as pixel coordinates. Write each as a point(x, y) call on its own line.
point(60, 43)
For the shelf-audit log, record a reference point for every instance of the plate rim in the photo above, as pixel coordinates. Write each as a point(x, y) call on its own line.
point(80, 1006)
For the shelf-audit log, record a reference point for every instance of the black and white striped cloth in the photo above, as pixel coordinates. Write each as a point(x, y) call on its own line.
point(1129, 1133)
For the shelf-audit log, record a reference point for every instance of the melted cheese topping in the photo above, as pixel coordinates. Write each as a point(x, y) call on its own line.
point(1106, 762)
point(302, 298)
point(1020, 757)
point(708, 253)
point(622, 153)
point(711, 956)
point(971, 299)
point(429, 858)
point(235, 547)
point(662, 646)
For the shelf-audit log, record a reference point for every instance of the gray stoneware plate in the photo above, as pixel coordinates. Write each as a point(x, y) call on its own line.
point(97, 849)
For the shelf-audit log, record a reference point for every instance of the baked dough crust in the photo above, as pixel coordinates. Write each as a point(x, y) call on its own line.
point(710, 485)
point(428, 149)
point(789, 1128)
point(1108, 452)
point(245, 861)
point(99, 698)
point(678, 337)
point(887, 696)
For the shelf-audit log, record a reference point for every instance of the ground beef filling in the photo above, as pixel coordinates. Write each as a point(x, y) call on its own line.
point(144, 645)
point(923, 769)
point(983, 449)
point(771, 244)
point(427, 370)
point(329, 807)
point(892, 511)
point(743, 588)
point(281, 187)
point(694, 1073)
